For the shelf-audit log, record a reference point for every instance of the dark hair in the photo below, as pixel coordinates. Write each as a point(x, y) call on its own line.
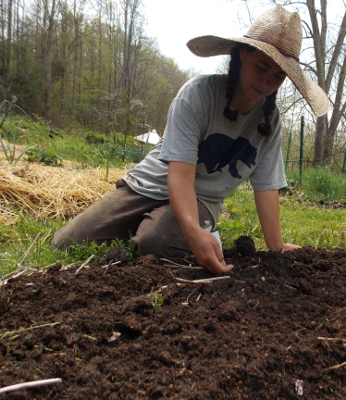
point(265, 128)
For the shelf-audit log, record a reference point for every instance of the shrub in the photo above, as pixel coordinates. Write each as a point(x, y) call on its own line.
point(46, 157)
point(93, 138)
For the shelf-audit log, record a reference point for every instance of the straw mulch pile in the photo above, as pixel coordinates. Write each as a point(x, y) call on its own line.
point(50, 191)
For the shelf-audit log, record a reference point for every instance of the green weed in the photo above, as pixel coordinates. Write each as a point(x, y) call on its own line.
point(320, 184)
point(156, 300)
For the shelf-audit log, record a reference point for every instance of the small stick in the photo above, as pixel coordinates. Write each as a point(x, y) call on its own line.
point(180, 265)
point(28, 385)
point(201, 281)
point(15, 274)
point(12, 273)
point(11, 333)
point(48, 266)
point(84, 264)
point(67, 267)
point(336, 366)
point(331, 339)
point(290, 287)
point(108, 265)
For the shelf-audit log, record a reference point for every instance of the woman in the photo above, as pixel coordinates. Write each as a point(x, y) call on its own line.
point(220, 130)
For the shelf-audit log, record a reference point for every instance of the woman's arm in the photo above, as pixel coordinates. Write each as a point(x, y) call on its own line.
point(267, 204)
point(183, 200)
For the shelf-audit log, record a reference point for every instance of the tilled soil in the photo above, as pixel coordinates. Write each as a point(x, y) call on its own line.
point(275, 329)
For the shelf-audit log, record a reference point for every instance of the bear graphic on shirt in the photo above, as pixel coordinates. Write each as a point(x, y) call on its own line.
point(218, 150)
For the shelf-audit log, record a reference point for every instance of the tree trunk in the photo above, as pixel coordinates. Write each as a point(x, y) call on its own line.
point(9, 39)
point(49, 60)
point(320, 134)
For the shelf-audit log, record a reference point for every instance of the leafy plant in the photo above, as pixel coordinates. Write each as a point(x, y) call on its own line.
point(46, 157)
point(156, 300)
point(11, 134)
point(93, 138)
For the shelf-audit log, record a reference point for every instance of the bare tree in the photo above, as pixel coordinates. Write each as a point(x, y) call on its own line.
point(9, 37)
point(49, 54)
point(330, 70)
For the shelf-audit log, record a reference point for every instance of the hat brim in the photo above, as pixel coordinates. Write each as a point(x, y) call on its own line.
point(208, 46)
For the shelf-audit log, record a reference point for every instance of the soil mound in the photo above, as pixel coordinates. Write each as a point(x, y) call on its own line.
point(274, 328)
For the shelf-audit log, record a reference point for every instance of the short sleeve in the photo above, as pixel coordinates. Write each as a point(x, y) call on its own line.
point(186, 123)
point(270, 173)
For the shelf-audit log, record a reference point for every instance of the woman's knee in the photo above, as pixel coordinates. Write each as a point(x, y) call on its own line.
point(161, 235)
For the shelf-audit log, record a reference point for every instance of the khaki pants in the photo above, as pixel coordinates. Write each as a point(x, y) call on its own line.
point(125, 214)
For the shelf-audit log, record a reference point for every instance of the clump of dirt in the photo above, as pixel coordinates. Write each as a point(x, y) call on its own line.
point(245, 246)
point(274, 329)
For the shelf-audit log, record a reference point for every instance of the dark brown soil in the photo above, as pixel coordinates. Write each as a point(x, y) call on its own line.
point(275, 330)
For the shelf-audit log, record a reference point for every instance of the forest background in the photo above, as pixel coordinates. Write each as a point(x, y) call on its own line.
point(87, 65)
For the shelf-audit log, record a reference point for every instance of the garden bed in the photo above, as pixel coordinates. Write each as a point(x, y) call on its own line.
point(274, 329)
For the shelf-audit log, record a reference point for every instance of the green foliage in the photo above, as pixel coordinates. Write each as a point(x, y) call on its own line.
point(14, 131)
point(231, 220)
point(10, 137)
point(92, 68)
point(46, 157)
point(302, 222)
point(239, 218)
point(320, 184)
point(156, 300)
point(36, 235)
point(93, 138)
point(82, 251)
point(26, 233)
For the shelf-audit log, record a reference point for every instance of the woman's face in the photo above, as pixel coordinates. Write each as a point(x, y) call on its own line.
point(259, 75)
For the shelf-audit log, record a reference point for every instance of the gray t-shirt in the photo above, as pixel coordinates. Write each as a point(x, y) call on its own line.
point(225, 152)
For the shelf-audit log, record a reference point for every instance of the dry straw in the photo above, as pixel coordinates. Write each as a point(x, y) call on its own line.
point(49, 191)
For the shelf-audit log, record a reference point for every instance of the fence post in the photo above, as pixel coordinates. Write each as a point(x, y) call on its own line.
point(344, 164)
point(301, 146)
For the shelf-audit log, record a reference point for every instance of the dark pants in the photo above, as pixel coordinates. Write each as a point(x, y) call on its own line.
point(125, 214)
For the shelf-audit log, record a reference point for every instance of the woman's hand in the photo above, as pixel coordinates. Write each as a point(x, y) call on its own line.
point(183, 200)
point(206, 249)
point(290, 247)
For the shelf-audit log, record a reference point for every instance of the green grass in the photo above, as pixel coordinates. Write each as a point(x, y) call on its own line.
point(28, 244)
point(319, 184)
point(82, 149)
point(302, 222)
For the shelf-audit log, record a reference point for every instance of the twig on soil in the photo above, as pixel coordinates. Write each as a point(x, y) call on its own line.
point(332, 339)
point(13, 274)
point(290, 287)
point(186, 303)
point(84, 264)
point(48, 266)
point(28, 385)
point(336, 366)
point(10, 335)
point(174, 264)
point(67, 267)
point(28, 250)
point(19, 271)
point(198, 282)
point(108, 265)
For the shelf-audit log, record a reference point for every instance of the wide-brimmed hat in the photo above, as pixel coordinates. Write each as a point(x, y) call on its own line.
point(278, 33)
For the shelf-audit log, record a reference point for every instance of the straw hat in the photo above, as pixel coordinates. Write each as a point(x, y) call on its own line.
point(278, 33)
